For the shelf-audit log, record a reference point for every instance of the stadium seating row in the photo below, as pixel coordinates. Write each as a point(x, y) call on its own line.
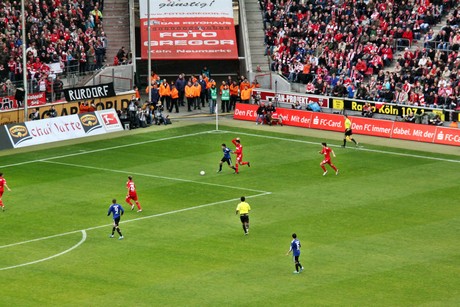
point(66, 33)
point(344, 48)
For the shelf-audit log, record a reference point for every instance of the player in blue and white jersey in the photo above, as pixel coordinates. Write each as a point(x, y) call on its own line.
point(117, 211)
point(295, 249)
point(226, 158)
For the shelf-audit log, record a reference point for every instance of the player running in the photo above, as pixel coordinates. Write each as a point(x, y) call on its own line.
point(117, 211)
point(3, 185)
point(326, 151)
point(239, 154)
point(132, 194)
point(348, 132)
point(226, 158)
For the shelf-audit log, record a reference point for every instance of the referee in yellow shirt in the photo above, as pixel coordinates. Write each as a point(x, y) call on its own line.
point(348, 132)
point(243, 209)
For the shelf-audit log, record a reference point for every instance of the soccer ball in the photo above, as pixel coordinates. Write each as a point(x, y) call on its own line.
point(202, 173)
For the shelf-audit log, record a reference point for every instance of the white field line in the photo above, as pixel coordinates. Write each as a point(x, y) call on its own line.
point(133, 220)
point(356, 148)
point(104, 149)
point(83, 239)
point(153, 176)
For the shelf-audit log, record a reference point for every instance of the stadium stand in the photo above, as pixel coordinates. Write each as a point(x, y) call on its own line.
point(348, 48)
point(65, 35)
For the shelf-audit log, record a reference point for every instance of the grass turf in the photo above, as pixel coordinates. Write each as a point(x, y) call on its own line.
point(384, 232)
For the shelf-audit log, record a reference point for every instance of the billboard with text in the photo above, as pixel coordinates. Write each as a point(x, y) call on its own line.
point(60, 128)
point(360, 125)
point(188, 30)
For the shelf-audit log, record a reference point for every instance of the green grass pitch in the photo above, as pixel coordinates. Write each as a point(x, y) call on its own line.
point(384, 232)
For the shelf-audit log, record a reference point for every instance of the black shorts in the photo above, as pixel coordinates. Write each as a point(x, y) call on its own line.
point(244, 218)
point(348, 132)
point(116, 221)
point(228, 160)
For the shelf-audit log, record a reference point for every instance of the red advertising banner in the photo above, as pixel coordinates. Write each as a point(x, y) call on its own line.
point(290, 117)
point(447, 136)
point(326, 121)
point(245, 111)
point(360, 125)
point(188, 30)
point(413, 132)
point(295, 117)
point(375, 127)
point(284, 97)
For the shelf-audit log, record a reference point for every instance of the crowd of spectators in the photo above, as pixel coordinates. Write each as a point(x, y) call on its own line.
point(344, 48)
point(68, 34)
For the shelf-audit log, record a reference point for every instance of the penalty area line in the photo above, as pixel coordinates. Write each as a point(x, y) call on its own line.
point(84, 235)
point(83, 239)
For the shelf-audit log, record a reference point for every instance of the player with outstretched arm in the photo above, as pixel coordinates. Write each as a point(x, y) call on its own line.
point(239, 154)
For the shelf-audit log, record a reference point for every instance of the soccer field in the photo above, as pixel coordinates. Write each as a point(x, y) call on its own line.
point(384, 232)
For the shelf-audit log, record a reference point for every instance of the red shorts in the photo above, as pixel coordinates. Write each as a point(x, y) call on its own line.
point(132, 196)
point(326, 161)
point(239, 158)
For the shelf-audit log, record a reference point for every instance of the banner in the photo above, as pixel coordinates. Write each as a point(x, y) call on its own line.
point(188, 30)
point(89, 92)
point(8, 103)
point(398, 110)
point(360, 125)
point(376, 127)
point(36, 99)
point(63, 108)
point(290, 117)
point(447, 136)
point(61, 128)
point(287, 97)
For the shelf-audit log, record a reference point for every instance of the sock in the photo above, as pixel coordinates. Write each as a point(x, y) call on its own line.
point(113, 230)
point(334, 168)
point(353, 140)
point(119, 232)
point(236, 168)
point(244, 228)
point(138, 205)
point(220, 167)
point(323, 167)
point(344, 142)
point(244, 163)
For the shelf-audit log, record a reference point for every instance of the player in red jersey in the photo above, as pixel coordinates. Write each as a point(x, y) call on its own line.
point(239, 154)
point(132, 194)
point(326, 151)
point(3, 185)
